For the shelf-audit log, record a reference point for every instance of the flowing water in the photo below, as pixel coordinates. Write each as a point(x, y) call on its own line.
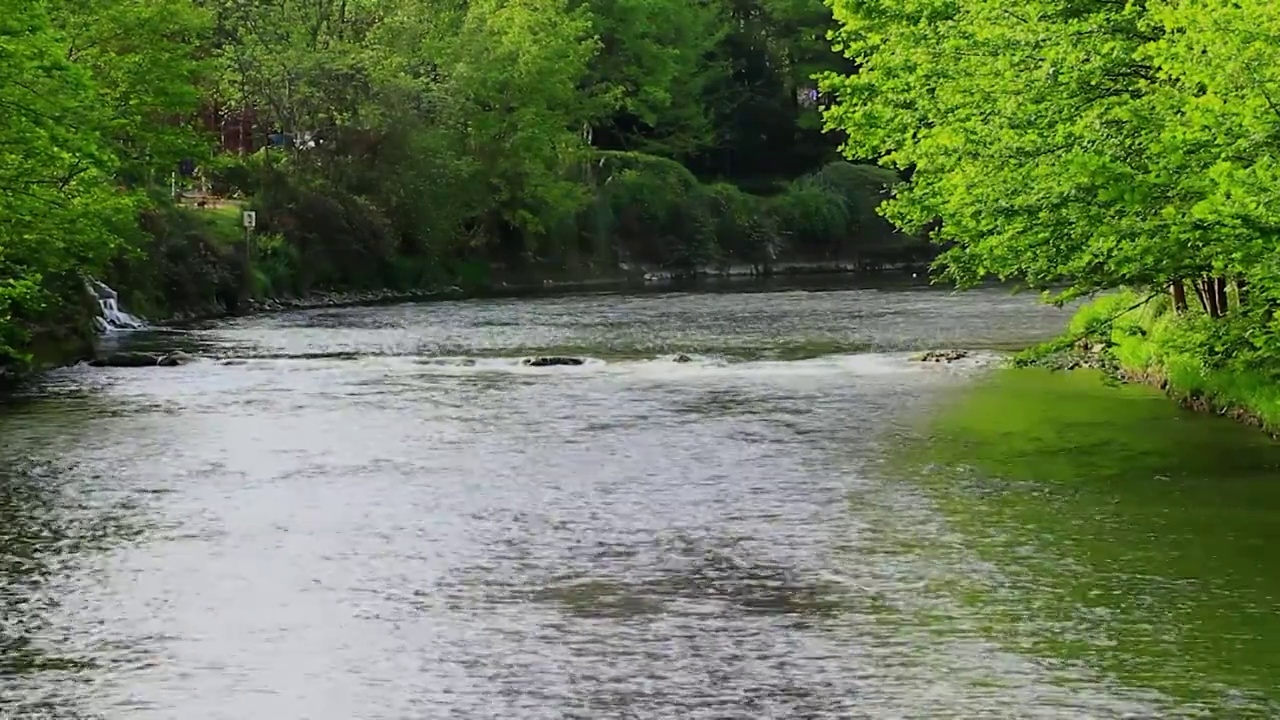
point(380, 513)
point(110, 315)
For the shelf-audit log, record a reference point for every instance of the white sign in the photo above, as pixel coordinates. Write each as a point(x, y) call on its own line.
point(250, 219)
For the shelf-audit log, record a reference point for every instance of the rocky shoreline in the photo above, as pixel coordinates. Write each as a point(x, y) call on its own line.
point(312, 301)
point(628, 276)
point(346, 299)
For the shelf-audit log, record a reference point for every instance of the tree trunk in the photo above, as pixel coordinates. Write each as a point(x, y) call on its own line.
point(1201, 296)
point(1220, 293)
point(1179, 292)
point(1242, 292)
point(1211, 298)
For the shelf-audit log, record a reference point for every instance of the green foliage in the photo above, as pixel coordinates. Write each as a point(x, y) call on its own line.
point(660, 210)
point(84, 103)
point(652, 74)
point(1223, 362)
point(144, 71)
point(814, 217)
point(745, 228)
point(276, 266)
point(831, 213)
point(338, 239)
point(411, 143)
point(1121, 312)
point(1090, 146)
point(1082, 144)
point(183, 260)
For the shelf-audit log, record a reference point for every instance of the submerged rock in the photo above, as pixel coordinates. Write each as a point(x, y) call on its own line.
point(552, 361)
point(682, 358)
point(175, 359)
point(142, 359)
point(126, 360)
point(942, 356)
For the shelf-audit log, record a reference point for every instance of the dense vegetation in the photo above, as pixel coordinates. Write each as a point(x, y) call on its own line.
point(1087, 145)
point(401, 143)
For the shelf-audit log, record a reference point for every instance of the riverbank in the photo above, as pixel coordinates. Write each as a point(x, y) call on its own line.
point(1196, 360)
point(319, 243)
point(810, 275)
point(536, 283)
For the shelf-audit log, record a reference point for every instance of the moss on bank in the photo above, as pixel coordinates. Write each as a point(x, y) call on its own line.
point(1205, 364)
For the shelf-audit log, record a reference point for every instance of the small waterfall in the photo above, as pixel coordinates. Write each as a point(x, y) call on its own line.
point(110, 317)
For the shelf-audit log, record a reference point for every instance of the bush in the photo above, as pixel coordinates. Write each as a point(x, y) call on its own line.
point(184, 262)
point(1228, 362)
point(275, 266)
point(744, 228)
point(653, 210)
point(338, 240)
point(233, 176)
point(659, 212)
point(831, 213)
point(814, 219)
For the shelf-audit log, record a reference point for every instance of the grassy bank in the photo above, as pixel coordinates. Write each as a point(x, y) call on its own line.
point(1220, 365)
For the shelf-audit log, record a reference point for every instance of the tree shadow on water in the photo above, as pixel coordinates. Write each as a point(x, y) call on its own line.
point(1129, 535)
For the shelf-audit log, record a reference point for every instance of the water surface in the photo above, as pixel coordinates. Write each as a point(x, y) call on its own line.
point(379, 513)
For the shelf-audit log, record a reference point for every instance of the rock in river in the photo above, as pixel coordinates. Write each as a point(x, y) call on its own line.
point(942, 356)
point(552, 361)
point(126, 360)
point(141, 359)
point(175, 359)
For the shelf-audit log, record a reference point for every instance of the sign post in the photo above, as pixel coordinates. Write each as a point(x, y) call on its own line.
point(249, 219)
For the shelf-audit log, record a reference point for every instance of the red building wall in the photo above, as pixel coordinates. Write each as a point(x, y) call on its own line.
point(236, 129)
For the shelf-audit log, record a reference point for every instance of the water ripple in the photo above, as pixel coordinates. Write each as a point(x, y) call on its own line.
point(383, 515)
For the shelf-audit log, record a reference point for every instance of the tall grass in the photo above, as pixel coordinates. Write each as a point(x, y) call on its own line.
point(1196, 357)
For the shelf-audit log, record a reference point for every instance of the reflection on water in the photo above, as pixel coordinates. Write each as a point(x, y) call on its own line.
point(380, 513)
point(1122, 534)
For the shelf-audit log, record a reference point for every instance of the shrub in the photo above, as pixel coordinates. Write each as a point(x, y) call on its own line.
point(658, 210)
point(744, 228)
point(831, 213)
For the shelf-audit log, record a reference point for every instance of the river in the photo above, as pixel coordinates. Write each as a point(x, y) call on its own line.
point(379, 513)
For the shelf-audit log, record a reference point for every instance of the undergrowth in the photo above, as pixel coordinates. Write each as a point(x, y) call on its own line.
point(1229, 365)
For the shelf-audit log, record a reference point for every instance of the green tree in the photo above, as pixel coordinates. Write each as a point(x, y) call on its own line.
point(58, 208)
point(145, 62)
point(1089, 144)
point(650, 78)
point(1034, 134)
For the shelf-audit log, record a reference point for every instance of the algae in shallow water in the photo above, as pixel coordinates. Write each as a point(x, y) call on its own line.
point(1127, 534)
